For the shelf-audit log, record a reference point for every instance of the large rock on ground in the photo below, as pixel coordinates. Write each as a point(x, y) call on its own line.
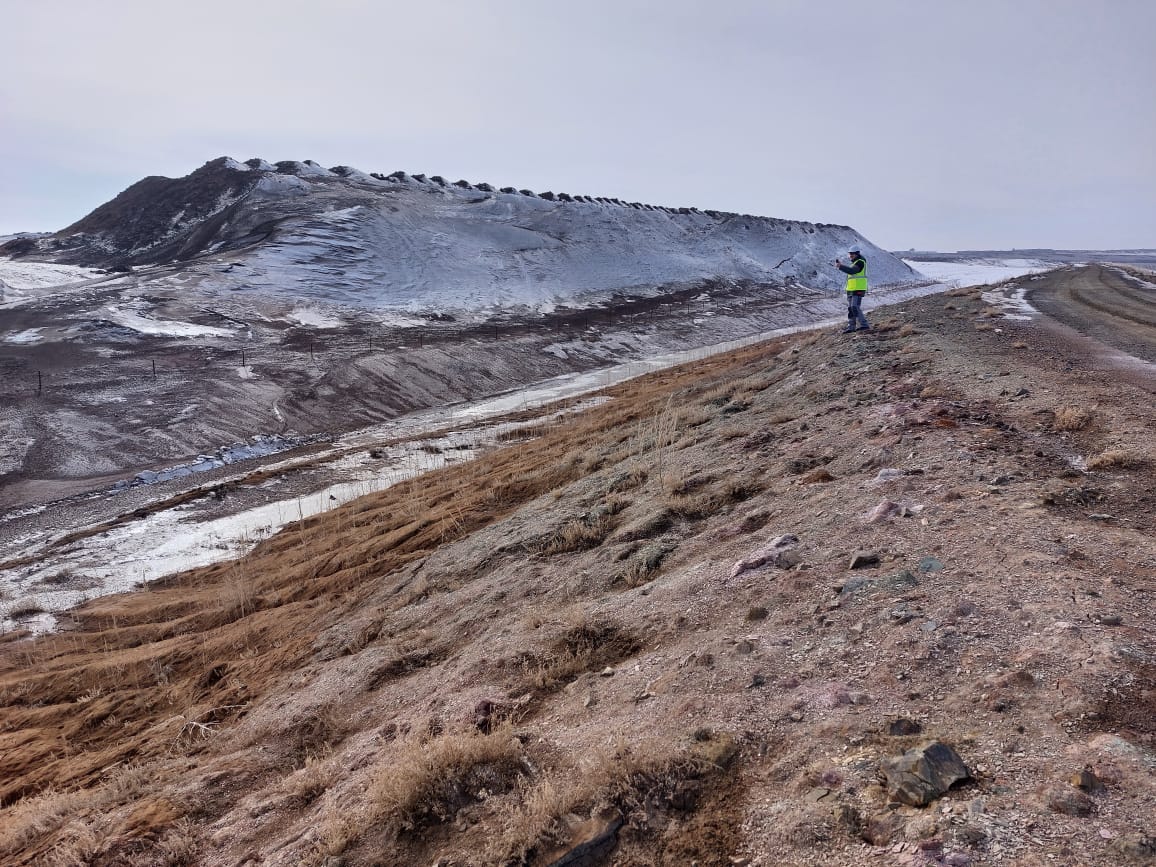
point(921, 775)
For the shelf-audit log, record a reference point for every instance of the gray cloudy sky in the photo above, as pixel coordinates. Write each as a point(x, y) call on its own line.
point(937, 125)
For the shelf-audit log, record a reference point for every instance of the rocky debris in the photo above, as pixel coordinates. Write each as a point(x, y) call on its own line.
point(1141, 848)
point(923, 774)
point(593, 851)
point(887, 474)
point(882, 512)
point(888, 509)
point(817, 476)
point(779, 553)
point(904, 726)
point(896, 583)
point(1087, 781)
point(1070, 802)
point(863, 560)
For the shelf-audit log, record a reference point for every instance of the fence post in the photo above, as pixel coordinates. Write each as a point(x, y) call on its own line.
point(39, 383)
point(154, 361)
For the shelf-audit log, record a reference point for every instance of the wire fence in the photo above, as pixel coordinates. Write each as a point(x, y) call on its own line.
point(24, 379)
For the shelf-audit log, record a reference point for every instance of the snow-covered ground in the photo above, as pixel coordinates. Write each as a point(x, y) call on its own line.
point(20, 281)
point(20, 275)
point(169, 328)
point(978, 272)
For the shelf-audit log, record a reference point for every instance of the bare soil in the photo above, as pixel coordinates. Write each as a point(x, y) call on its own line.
point(584, 648)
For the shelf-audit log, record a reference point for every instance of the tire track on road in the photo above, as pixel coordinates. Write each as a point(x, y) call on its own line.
point(1100, 303)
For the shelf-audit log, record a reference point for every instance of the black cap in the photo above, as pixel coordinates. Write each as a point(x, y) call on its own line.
point(854, 250)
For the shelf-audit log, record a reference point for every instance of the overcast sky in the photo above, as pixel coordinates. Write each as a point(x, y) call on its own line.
point(937, 125)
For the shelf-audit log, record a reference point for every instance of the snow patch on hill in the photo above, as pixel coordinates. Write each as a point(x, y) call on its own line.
point(978, 272)
point(19, 275)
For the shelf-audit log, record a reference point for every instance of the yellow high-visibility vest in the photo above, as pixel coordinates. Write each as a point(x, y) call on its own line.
point(858, 282)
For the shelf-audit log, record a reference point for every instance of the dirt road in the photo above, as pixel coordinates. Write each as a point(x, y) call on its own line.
point(1112, 305)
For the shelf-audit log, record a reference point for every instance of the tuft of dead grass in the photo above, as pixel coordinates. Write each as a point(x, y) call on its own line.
point(1115, 459)
point(583, 647)
point(429, 781)
point(580, 534)
point(646, 778)
point(644, 565)
point(1071, 418)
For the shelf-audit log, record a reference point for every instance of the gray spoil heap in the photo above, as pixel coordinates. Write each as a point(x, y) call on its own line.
point(574, 242)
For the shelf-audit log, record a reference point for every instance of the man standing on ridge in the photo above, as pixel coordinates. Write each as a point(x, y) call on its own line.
point(856, 272)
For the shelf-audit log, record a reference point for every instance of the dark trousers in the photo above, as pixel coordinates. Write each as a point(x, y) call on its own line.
point(855, 315)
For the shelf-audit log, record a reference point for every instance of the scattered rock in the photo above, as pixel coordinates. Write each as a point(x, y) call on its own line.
point(969, 834)
point(882, 828)
point(607, 672)
point(930, 564)
point(964, 609)
point(923, 774)
point(778, 553)
point(904, 726)
point(817, 476)
point(1070, 802)
point(1087, 781)
point(888, 474)
point(863, 559)
point(897, 583)
point(756, 612)
point(882, 512)
point(1109, 619)
point(1139, 847)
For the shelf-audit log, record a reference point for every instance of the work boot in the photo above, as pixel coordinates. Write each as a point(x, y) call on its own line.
point(848, 329)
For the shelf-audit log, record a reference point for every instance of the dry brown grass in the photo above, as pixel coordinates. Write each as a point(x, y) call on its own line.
point(907, 330)
point(583, 647)
point(579, 534)
point(1071, 418)
point(427, 781)
point(649, 777)
point(644, 565)
point(1114, 459)
point(162, 679)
